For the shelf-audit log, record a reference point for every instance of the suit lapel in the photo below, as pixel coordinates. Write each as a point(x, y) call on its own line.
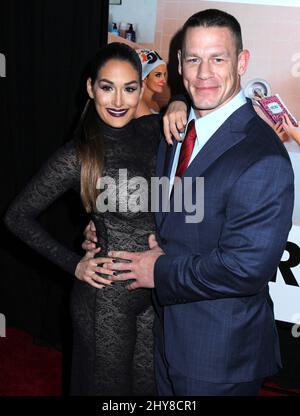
point(218, 144)
point(164, 165)
point(232, 131)
point(228, 135)
point(169, 159)
point(165, 158)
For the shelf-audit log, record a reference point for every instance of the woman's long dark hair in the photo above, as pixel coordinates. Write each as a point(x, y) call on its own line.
point(89, 143)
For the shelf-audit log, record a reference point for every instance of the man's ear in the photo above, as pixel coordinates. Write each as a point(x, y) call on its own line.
point(179, 56)
point(89, 88)
point(243, 61)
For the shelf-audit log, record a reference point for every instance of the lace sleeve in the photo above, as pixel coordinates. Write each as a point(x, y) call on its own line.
point(59, 174)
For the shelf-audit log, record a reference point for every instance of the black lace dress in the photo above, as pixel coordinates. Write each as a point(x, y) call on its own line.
point(112, 327)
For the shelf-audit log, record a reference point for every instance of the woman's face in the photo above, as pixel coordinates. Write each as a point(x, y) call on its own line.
point(157, 79)
point(116, 92)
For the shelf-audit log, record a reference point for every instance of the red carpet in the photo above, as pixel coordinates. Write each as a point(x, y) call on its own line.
point(30, 370)
point(272, 389)
point(27, 369)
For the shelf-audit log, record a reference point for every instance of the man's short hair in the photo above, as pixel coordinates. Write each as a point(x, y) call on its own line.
point(214, 18)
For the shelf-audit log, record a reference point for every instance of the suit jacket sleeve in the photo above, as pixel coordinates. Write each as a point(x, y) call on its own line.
point(258, 220)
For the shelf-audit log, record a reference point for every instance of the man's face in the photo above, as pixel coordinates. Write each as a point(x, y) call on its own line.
point(211, 67)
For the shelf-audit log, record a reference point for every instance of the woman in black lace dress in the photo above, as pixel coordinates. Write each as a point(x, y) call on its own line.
point(112, 327)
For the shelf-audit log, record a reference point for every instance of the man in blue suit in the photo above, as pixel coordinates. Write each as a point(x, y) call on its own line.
point(215, 331)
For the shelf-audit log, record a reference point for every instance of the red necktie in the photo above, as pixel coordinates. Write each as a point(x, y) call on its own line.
point(186, 149)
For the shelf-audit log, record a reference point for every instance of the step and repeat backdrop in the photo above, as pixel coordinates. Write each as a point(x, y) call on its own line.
point(271, 32)
point(285, 288)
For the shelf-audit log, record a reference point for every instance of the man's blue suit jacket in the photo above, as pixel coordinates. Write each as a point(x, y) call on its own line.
point(214, 315)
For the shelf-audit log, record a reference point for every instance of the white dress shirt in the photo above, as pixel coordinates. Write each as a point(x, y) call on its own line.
point(206, 126)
